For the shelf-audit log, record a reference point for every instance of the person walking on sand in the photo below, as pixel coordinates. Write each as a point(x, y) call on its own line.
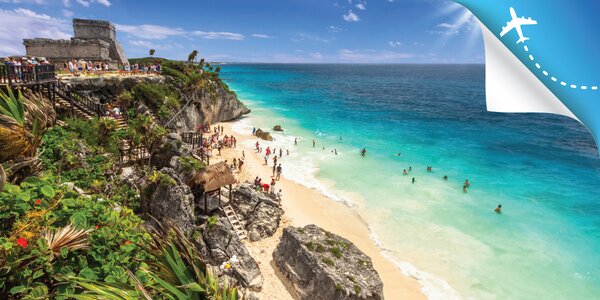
point(287, 152)
point(253, 130)
point(413, 180)
point(266, 162)
point(240, 164)
point(257, 146)
point(278, 172)
point(275, 160)
point(234, 163)
point(335, 151)
point(273, 185)
point(243, 154)
point(268, 151)
point(274, 169)
point(498, 209)
point(295, 141)
point(363, 152)
point(280, 152)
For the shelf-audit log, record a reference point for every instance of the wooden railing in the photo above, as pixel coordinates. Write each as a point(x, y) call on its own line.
point(20, 75)
point(192, 138)
point(82, 102)
point(134, 154)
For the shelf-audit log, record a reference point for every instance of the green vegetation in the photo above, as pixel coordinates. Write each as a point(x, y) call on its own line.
point(339, 287)
point(190, 164)
point(328, 261)
point(336, 252)
point(212, 221)
point(160, 178)
point(357, 289)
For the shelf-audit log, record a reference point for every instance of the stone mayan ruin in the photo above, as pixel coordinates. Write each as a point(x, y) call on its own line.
point(94, 41)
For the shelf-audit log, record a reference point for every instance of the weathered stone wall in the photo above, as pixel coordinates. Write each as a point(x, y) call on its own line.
point(94, 29)
point(63, 50)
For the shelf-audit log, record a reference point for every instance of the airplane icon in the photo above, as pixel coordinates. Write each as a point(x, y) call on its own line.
point(516, 23)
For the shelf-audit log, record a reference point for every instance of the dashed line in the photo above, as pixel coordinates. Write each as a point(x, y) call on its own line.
point(573, 86)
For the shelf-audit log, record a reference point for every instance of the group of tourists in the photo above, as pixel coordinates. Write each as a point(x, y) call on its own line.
point(25, 61)
point(81, 66)
point(136, 68)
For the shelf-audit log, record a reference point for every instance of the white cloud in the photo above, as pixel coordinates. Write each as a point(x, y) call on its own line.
point(261, 36)
point(303, 37)
point(446, 25)
point(394, 44)
point(87, 3)
point(218, 35)
point(361, 5)
point(351, 17)
point(19, 24)
point(38, 2)
point(67, 3)
point(148, 31)
point(334, 29)
point(316, 55)
point(104, 2)
point(372, 56)
point(67, 13)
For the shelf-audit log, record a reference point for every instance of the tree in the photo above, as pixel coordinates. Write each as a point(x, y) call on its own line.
point(151, 52)
point(192, 56)
point(201, 64)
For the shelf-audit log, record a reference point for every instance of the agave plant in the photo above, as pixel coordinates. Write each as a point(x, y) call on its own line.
point(68, 236)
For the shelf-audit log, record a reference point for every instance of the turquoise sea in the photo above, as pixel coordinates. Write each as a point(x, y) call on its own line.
point(543, 169)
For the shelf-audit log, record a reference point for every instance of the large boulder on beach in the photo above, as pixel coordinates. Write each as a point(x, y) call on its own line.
point(167, 198)
point(259, 213)
point(263, 135)
point(219, 244)
point(277, 128)
point(322, 265)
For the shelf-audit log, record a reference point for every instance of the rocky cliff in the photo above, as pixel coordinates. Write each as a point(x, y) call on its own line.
point(212, 105)
point(105, 89)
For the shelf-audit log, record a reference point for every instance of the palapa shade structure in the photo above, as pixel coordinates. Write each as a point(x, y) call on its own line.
point(214, 177)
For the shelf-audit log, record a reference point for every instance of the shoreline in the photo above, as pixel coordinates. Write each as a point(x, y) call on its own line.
point(303, 206)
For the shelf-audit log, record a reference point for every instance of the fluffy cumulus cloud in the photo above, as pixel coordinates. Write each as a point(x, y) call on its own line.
point(374, 56)
point(39, 2)
point(21, 23)
point(362, 5)
point(67, 13)
point(351, 17)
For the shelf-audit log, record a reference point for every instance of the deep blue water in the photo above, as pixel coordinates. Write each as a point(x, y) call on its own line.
point(544, 170)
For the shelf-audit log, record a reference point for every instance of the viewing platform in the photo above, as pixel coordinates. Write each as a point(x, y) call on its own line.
point(16, 76)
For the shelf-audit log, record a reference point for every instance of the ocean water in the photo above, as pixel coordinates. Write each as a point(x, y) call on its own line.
point(543, 169)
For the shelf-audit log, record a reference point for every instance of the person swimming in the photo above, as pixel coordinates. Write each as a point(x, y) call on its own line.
point(498, 209)
point(398, 154)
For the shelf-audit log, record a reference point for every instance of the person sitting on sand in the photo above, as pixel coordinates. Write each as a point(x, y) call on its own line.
point(278, 196)
point(498, 209)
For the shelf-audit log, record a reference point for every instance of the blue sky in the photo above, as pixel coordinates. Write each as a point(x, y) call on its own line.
point(340, 31)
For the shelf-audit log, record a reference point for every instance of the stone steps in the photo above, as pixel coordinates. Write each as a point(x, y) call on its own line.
point(235, 221)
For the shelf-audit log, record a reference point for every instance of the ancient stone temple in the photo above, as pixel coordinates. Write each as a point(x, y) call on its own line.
point(94, 41)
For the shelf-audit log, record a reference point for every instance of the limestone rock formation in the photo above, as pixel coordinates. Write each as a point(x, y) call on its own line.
point(260, 215)
point(219, 105)
point(169, 198)
point(218, 244)
point(277, 128)
point(170, 146)
point(322, 265)
point(263, 135)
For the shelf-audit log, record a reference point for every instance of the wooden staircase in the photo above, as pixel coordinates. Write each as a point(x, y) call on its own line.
point(235, 221)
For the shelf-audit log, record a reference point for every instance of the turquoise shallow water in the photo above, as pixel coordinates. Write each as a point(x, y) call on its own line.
point(543, 169)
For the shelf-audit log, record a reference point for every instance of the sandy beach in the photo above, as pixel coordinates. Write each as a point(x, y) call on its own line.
point(305, 206)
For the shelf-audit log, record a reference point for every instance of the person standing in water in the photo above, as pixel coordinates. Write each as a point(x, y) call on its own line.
point(404, 172)
point(278, 172)
point(363, 152)
point(445, 177)
point(313, 143)
point(467, 183)
point(413, 180)
point(498, 209)
point(295, 141)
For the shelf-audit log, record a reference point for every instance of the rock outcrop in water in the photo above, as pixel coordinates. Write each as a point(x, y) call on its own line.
point(277, 128)
point(260, 214)
point(322, 265)
point(263, 135)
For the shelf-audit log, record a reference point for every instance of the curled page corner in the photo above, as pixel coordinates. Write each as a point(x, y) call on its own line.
point(510, 87)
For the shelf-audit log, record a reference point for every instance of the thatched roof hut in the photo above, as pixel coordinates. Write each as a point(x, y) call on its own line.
point(216, 176)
